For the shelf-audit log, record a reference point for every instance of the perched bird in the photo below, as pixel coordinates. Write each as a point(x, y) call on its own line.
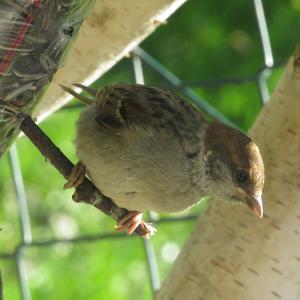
point(148, 149)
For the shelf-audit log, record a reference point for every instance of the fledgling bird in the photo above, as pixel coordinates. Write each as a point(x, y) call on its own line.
point(148, 149)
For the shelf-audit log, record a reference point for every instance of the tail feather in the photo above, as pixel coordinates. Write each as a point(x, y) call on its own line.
point(87, 89)
point(83, 99)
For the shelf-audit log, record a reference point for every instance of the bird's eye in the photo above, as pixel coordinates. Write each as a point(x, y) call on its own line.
point(241, 176)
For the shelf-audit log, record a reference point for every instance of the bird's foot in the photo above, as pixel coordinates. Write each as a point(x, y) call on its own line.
point(131, 221)
point(76, 176)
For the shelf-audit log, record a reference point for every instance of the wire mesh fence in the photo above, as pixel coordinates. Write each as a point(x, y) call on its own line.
point(139, 57)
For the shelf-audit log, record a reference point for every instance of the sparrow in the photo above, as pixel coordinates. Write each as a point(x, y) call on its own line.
point(149, 150)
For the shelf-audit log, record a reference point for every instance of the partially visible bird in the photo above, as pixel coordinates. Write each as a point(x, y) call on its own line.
point(148, 149)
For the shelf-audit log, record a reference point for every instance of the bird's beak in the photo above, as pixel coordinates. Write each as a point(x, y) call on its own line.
point(255, 204)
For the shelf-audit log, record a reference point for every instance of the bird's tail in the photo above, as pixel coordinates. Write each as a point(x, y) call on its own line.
point(83, 99)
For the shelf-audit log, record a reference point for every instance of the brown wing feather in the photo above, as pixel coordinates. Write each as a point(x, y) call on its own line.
point(121, 105)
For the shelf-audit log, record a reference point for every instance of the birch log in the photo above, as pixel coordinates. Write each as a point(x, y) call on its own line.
point(231, 255)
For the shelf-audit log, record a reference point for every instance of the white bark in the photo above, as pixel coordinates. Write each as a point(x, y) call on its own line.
point(231, 255)
point(112, 30)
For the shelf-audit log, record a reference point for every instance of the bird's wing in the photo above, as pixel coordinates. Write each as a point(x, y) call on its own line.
point(120, 106)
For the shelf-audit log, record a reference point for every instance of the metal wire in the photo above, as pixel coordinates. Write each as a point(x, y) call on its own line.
point(24, 220)
point(21, 272)
point(148, 246)
point(139, 56)
point(263, 86)
point(264, 33)
point(266, 45)
point(20, 195)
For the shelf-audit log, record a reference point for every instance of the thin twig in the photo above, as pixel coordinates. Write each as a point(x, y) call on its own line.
point(86, 191)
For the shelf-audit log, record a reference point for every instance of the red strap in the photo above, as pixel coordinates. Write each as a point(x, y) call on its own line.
point(18, 40)
point(37, 3)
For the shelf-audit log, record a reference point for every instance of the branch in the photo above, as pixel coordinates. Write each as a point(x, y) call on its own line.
point(86, 191)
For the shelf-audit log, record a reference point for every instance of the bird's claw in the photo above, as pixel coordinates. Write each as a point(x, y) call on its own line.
point(76, 176)
point(131, 221)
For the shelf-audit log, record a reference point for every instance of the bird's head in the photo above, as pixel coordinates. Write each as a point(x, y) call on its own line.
point(234, 166)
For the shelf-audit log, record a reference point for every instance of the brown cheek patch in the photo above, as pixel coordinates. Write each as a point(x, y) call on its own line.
point(237, 150)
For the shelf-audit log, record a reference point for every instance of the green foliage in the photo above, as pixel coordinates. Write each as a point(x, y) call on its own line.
point(204, 40)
